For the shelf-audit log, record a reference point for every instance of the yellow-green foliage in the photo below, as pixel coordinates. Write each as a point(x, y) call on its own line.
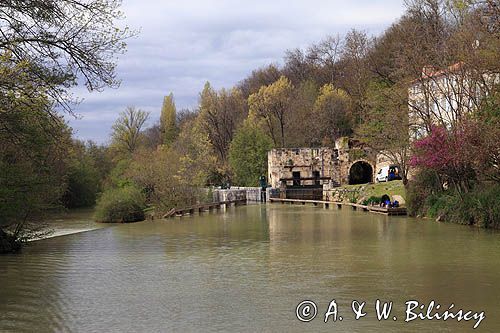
point(272, 103)
point(168, 124)
point(333, 114)
point(125, 204)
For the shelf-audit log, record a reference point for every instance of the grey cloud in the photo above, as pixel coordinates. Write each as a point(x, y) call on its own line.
point(183, 44)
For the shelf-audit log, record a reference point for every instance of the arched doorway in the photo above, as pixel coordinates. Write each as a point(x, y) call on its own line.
point(360, 172)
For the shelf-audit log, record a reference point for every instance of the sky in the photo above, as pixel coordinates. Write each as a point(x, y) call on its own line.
point(183, 44)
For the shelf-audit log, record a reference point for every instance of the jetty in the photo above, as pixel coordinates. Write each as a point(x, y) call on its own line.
point(200, 208)
point(339, 204)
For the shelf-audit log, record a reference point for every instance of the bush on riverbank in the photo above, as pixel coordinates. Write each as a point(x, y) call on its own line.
point(480, 206)
point(372, 200)
point(8, 243)
point(124, 204)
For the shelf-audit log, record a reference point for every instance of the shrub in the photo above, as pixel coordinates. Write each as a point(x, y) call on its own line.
point(438, 204)
point(124, 204)
point(424, 185)
point(370, 200)
point(480, 206)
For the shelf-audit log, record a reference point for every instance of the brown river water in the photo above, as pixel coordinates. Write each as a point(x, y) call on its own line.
point(247, 269)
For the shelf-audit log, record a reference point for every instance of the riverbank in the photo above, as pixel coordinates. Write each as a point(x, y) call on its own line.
point(8, 243)
point(367, 193)
point(479, 207)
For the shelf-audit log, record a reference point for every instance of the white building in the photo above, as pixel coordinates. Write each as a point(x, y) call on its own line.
point(441, 97)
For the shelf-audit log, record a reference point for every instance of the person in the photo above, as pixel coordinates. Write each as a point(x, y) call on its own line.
point(263, 186)
point(391, 175)
point(395, 204)
point(385, 200)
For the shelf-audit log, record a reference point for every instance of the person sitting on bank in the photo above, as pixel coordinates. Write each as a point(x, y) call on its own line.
point(385, 200)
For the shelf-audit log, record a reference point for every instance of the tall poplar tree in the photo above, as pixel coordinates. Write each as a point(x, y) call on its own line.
point(168, 123)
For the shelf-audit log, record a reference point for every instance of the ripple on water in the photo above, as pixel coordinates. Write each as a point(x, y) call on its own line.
point(244, 271)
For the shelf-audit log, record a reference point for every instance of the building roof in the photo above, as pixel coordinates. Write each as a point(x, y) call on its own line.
point(429, 72)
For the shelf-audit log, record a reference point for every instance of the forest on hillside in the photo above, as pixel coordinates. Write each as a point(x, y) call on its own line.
point(352, 85)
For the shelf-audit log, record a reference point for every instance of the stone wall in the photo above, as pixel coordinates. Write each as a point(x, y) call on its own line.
point(284, 161)
point(334, 163)
point(248, 193)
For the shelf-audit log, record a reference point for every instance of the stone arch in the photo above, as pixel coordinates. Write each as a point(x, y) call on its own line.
point(360, 172)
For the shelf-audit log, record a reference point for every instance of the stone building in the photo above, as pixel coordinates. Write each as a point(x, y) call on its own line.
point(349, 162)
point(300, 166)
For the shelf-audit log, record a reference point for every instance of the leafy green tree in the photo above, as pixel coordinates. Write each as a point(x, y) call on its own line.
point(86, 174)
point(62, 41)
point(333, 114)
point(272, 104)
point(127, 129)
point(248, 154)
point(169, 178)
point(168, 125)
point(33, 152)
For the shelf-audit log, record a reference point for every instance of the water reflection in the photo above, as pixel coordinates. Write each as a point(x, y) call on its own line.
point(246, 270)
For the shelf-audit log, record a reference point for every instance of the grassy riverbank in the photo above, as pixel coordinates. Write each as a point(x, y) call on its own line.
point(391, 188)
point(363, 192)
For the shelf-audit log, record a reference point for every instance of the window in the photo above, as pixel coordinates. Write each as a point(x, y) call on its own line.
point(317, 179)
point(296, 178)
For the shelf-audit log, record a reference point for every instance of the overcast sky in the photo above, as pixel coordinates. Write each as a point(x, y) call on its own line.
point(183, 44)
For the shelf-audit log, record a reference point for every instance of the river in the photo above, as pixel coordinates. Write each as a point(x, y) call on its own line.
point(247, 270)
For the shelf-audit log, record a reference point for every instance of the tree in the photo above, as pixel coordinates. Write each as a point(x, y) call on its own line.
point(33, 152)
point(168, 118)
point(46, 47)
point(258, 78)
point(384, 126)
point(62, 41)
point(153, 137)
point(486, 145)
point(220, 114)
point(248, 155)
point(446, 153)
point(297, 67)
point(272, 103)
point(88, 166)
point(84, 180)
point(169, 178)
point(127, 129)
point(333, 114)
point(355, 74)
point(325, 56)
point(301, 122)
